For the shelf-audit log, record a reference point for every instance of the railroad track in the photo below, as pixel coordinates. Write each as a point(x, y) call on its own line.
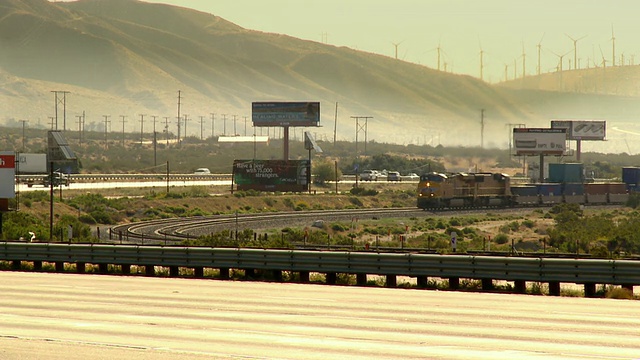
point(178, 229)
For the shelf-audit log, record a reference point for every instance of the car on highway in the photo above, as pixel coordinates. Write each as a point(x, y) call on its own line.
point(411, 177)
point(202, 171)
point(393, 176)
point(369, 175)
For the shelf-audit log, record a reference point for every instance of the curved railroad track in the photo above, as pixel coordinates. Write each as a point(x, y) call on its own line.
point(177, 229)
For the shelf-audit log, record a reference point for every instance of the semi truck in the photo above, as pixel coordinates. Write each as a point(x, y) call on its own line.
point(32, 170)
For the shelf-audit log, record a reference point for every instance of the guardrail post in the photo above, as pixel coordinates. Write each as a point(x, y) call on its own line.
point(554, 288)
point(361, 279)
point(277, 275)
point(589, 290)
point(628, 288)
point(198, 272)
point(16, 265)
point(331, 278)
point(304, 276)
point(391, 281)
point(224, 273)
point(125, 269)
point(37, 265)
point(422, 281)
point(454, 283)
point(487, 284)
point(174, 271)
point(80, 267)
point(103, 268)
point(59, 266)
point(249, 273)
point(520, 286)
point(150, 270)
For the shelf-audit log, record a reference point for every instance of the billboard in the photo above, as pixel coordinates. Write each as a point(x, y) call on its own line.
point(582, 129)
point(7, 174)
point(539, 141)
point(271, 175)
point(285, 113)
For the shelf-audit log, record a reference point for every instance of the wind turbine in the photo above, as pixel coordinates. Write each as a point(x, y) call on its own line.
point(604, 61)
point(613, 40)
point(575, 49)
point(560, 57)
point(481, 60)
point(396, 47)
point(524, 59)
point(539, 47)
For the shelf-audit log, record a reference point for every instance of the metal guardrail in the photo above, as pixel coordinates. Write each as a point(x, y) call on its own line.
point(582, 271)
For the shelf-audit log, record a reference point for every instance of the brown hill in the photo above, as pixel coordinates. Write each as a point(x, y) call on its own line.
point(126, 57)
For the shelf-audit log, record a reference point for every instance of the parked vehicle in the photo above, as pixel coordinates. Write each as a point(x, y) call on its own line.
point(202, 171)
point(411, 177)
point(369, 175)
point(393, 176)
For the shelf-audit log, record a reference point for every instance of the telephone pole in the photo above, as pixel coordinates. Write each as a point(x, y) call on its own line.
point(201, 127)
point(141, 127)
point(481, 128)
point(179, 118)
point(123, 121)
point(213, 125)
point(106, 126)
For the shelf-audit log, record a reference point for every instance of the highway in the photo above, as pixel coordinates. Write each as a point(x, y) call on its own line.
point(71, 316)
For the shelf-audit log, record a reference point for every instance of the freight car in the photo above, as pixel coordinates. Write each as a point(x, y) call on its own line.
point(437, 190)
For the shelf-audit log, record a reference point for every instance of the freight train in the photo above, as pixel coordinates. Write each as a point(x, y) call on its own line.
point(468, 190)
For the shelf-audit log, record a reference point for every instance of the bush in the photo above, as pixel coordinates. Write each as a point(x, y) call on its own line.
point(501, 239)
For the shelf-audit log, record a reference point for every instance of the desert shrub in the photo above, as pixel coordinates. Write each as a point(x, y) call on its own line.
point(501, 239)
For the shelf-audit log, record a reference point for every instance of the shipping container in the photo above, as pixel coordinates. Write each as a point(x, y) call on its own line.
point(573, 189)
point(524, 190)
point(596, 189)
point(549, 189)
point(617, 188)
point(566, 173)
point(631, 175)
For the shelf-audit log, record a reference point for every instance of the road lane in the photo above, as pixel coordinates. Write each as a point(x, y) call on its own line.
point(80, 316)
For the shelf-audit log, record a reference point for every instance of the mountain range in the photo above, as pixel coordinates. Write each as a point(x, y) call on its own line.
point(122, 60)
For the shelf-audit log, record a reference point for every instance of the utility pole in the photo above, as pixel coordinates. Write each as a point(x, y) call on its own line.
point(186, 118)
point(201, 127)
point(23, 124)
point(106, 122)
point(154, 124)
point(335, 125)
point(166, 129)
point(224, 124)
point(245, 125)
point(123, 121)
point(481, 128)
point(79, 128)
point(213, 125)
point(141, 127)
point(361, 127)
point(179, 118)
point(62, 101)
point(235, 132)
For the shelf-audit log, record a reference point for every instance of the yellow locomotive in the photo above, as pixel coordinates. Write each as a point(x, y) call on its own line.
point(436, 190)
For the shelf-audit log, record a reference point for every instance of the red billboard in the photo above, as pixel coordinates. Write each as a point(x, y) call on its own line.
point(7, 175)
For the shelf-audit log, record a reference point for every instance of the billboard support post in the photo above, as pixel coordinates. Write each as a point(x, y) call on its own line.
point(285, 144)
point(578, 149)
point(541, 168)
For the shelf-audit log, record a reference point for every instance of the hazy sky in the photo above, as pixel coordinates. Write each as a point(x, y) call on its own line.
point(462, 28)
